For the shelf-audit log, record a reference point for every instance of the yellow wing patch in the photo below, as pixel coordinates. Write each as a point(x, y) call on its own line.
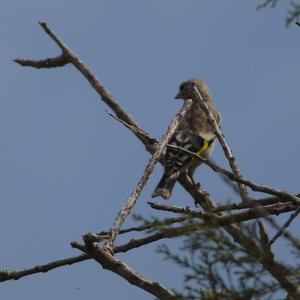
point(203, 148)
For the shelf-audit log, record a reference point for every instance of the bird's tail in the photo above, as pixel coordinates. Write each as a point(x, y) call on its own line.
point(164, 187)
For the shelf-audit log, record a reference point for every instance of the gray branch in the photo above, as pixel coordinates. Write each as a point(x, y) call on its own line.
point(131, 200)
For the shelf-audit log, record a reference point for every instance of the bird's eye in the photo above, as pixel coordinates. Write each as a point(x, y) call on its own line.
point(181, 87)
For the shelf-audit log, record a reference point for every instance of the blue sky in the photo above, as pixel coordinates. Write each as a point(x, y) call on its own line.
point(66, 167)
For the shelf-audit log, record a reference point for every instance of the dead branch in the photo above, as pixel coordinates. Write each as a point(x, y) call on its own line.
point(282, 230)
point(212, 219)
point(51, 62)
point(153, 225)
point(276, 270)
point(131, 200)
point(220, 136)
point(261, 202)
point(163, 233)
point(10, 274)
point(256, 187)
point(71, 57)
point(108, 261)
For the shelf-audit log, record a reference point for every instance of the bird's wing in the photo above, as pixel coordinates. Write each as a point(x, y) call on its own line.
point(178, 160)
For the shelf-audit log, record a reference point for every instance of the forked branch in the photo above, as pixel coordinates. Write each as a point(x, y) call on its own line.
point(105, 258)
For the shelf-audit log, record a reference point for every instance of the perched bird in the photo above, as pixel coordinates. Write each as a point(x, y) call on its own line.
point(194, 133)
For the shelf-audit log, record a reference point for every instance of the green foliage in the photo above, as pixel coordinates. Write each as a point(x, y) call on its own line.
point(217, 268)
point(266, 3)
point(293, 12)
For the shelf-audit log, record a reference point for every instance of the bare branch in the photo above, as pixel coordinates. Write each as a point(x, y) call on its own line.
point(230, 157)
point(108, 261)
point(105, 95)
point(9, 274)
point(148, 141)
point(277, 270)
point(6, 275)
point(220, 136)
point(176, 209)
point(284, 227)
point(261, 202)
point(254, 186)
point(131, 200)
point(283, 195)
point(51, 62)
point(135, 243)
point(212, 219)
point(152, 225)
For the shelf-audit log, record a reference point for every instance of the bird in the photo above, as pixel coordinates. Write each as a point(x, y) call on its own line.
point(194, 133)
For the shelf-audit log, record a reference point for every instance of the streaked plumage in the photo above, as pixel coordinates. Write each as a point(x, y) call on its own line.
point(194, 133)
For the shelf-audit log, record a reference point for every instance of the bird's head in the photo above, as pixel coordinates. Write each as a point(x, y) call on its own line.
point(186, 87)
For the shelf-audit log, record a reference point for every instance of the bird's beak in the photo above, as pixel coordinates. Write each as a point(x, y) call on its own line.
point(178, 96)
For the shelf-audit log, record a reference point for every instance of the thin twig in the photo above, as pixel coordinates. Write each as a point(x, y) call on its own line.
point(10, 274)
point(163, 233)
point(220, 136)
point(284, 227)
point(6, 274)
point(108, 261)
point(176, 209)
point(148, 140)
point(152, 225)
point(254, 186)
point(131, 200)
point(211, 218)
point(51, 62)
point(277, 270)
point(261, 202)
point(232, 161)
point(283, 195)
point(71, 57)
